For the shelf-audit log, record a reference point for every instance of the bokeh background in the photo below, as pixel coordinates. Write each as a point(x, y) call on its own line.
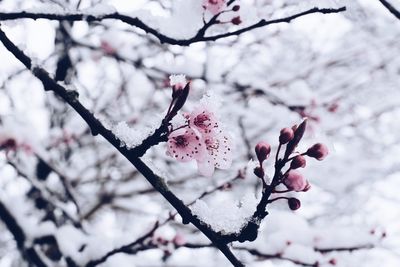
point(339, 70)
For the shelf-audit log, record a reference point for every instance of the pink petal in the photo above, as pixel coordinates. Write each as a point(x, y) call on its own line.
point(206, 167)
point(185, 145)
point(219, 148)
point(204, 121)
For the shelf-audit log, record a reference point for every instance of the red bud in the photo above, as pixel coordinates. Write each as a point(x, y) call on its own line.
point(318, 151)
point(262, 151)
point(286, 135)
point(259, 172)
point(236, 20)
point(298, 162)
point(294, 203)
point(236, 8)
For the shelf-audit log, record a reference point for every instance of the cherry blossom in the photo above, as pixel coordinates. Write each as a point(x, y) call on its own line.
point(203, 120)
point(214, 6)
point(219, 149)
point(185, 144)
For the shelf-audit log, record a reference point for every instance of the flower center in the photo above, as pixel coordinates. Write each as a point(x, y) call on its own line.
point(200, 121)
point(181, 141)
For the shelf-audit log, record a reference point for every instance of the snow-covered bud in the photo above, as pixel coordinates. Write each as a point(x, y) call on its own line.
point(298, 162)
point(262, 151)
point(286, 135)
point(235, 8)
point(259, 172)
point(178, 83)
point(318, 151)
point(180, 99)
point(295, 181)
point(294, 203)
point(236, 20)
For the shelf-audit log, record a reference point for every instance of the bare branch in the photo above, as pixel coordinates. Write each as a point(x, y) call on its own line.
point(391, 8)
point(134, 21)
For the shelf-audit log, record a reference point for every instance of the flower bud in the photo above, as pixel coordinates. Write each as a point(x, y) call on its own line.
point(286, 135)
point(262, 151)
point(318, 151)
point(307, 187)
point(294, 203)
point(298, 134)
point(236, 20)
point(236, 8)
point(298, 162)
point(295, 181)
point(179, 240)
point(259, 172)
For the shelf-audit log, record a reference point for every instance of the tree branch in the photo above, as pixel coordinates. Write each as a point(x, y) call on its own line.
point(12, 225)
point(391, 8)
point(134, 21)
point(71, 97)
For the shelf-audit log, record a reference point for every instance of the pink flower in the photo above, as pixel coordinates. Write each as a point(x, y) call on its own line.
point(295, 181)
point(219, 149)
point(318, 151)
point(185, 145)
point(214, 6)
point(204, 121)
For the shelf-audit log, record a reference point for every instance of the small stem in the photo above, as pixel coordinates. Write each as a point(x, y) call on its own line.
point(277, 153)
point(282, 191)
point(275, 199)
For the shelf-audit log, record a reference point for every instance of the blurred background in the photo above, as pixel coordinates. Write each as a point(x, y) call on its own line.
point(339, 70)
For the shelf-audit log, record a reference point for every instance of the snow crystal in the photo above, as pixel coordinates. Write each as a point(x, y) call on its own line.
point(227, 216)
point(211, 101)
point(130, 137)
point(178, 79)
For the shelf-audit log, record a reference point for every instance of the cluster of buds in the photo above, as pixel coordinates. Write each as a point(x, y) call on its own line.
point(291, 178)
point(216, 7)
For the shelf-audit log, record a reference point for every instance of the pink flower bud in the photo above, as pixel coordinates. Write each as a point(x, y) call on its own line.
point(286, 135)
point(332, 261)
point(294, 203)
point(307, 187)
point(179, 240)
point(236, 20)
point(262, 151)
point(298, 162)
point(259, 172)
point(318, 151)
point(295, 181)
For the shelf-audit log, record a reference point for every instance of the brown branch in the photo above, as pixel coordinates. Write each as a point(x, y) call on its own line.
point(134, 21)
